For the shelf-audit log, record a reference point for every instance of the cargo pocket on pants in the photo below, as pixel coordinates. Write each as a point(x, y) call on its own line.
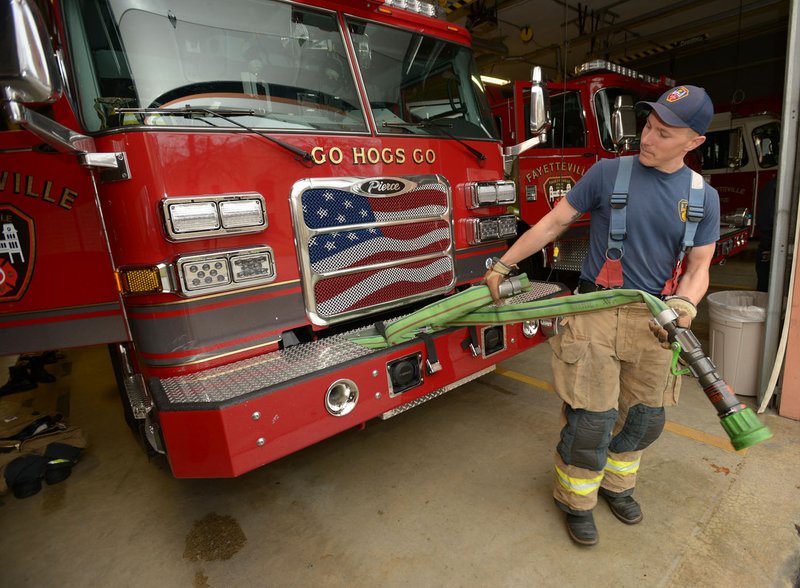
point(571, 369)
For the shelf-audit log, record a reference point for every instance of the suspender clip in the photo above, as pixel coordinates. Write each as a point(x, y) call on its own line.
point(619, 200)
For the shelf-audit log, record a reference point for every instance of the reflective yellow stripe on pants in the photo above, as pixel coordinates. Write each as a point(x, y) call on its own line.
point(622, 468)
point(580, 486)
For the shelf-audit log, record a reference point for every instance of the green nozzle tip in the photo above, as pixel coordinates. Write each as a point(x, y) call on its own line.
point(744, 429)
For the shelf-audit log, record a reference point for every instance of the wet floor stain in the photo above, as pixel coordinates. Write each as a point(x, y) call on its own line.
point(214, 537)
point(720, 469)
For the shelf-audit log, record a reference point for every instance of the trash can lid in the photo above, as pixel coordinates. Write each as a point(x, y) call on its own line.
point(744, 306)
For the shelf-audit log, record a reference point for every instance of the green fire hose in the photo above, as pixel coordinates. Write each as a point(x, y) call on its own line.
point(473, 306)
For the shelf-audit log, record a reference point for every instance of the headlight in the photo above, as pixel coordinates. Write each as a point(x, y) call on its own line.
point(228, 270)
point(193, 217)
point(501, 192)
point(238, 214)
point(201, 217)
point(493, 228)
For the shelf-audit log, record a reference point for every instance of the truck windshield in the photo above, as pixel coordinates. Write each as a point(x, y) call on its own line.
point(412, 79)
point(604, 102)
point(276, 65)
point(767, 138)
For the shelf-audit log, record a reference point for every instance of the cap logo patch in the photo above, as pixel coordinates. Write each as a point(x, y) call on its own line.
point(678, 93)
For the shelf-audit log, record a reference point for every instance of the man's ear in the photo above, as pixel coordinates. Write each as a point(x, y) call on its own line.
point(696, 142)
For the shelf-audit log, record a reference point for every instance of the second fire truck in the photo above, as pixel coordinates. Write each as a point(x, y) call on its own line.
point(593, 119)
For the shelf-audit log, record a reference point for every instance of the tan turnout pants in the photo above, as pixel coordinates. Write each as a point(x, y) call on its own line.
point(602, 361)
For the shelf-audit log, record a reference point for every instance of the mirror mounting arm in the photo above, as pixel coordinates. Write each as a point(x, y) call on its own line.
point(114, 166)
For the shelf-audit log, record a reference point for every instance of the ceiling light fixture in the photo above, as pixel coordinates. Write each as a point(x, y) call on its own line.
point(495, 81)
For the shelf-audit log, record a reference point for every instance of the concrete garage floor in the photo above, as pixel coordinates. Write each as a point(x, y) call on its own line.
point(456, 492)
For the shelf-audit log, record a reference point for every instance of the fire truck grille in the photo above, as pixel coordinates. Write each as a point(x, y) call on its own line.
point(389, 243)
point(571, 253)
point(369, 288)
point(361, 252)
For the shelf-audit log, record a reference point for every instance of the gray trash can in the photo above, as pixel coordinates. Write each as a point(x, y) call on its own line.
point(736, 336)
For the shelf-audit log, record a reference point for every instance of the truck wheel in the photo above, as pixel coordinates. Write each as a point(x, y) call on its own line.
point(122, 370)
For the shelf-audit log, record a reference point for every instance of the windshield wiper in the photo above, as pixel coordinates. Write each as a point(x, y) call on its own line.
point(425, 124)
point(225, 114)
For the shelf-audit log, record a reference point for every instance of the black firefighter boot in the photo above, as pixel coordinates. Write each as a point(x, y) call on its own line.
point(581, 528)
point(625, 508)
point(18, 381)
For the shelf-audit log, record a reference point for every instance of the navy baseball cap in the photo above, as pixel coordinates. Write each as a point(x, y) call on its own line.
point(684, 106)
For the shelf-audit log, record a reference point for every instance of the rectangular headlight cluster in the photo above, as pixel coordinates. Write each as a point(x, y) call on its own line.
point(229, 270)
point(502, 192)
point(419, 6)
point(195, 217)
point(494, 228)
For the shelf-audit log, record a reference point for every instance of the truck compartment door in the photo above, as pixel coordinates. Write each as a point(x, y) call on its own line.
point(57, 285)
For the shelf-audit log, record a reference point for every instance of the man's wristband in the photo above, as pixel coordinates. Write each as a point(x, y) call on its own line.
point(500, 267)
point(677, 303)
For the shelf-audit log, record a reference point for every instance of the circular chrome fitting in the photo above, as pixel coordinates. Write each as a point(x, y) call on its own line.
point(341, 397)
point(550, 326)
point(530, 328)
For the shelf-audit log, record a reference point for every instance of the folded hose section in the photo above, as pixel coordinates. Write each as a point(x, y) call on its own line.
point(474, 306)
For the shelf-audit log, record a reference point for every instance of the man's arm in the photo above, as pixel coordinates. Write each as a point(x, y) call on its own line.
point(695, 279)
point(546, 230)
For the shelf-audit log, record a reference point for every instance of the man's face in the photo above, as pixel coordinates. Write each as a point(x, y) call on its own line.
point(663, 146)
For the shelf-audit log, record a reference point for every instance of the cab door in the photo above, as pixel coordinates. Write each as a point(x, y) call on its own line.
point(57, 285)
point(549, 170)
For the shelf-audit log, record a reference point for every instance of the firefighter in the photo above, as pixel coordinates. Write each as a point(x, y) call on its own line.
point(647, 232)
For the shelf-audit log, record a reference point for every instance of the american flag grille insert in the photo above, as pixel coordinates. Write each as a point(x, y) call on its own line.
point(330, 207)
point(360, 247)
point(351, 292)
point(361, 253)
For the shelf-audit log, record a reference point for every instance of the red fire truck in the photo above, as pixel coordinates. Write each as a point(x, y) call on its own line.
point(222, 191)
point(593, 118)
point(740, 154)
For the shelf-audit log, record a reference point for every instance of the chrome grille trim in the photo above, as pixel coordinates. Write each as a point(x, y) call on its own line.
point(407, 229)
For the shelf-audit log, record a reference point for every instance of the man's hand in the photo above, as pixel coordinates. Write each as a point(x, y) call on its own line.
point(492, 280)
point(686, 311)
point(684, 320)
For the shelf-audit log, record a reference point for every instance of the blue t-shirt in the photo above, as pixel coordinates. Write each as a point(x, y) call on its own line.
point(655, 221)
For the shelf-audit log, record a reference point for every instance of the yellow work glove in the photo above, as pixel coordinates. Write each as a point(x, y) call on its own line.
point(686, 311)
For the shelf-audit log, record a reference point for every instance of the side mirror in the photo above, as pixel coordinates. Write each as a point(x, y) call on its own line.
point(29, 75)
point(735, 149)
point(28, 70)
point(623, 122)
point(363, 50)
point(540, 121)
